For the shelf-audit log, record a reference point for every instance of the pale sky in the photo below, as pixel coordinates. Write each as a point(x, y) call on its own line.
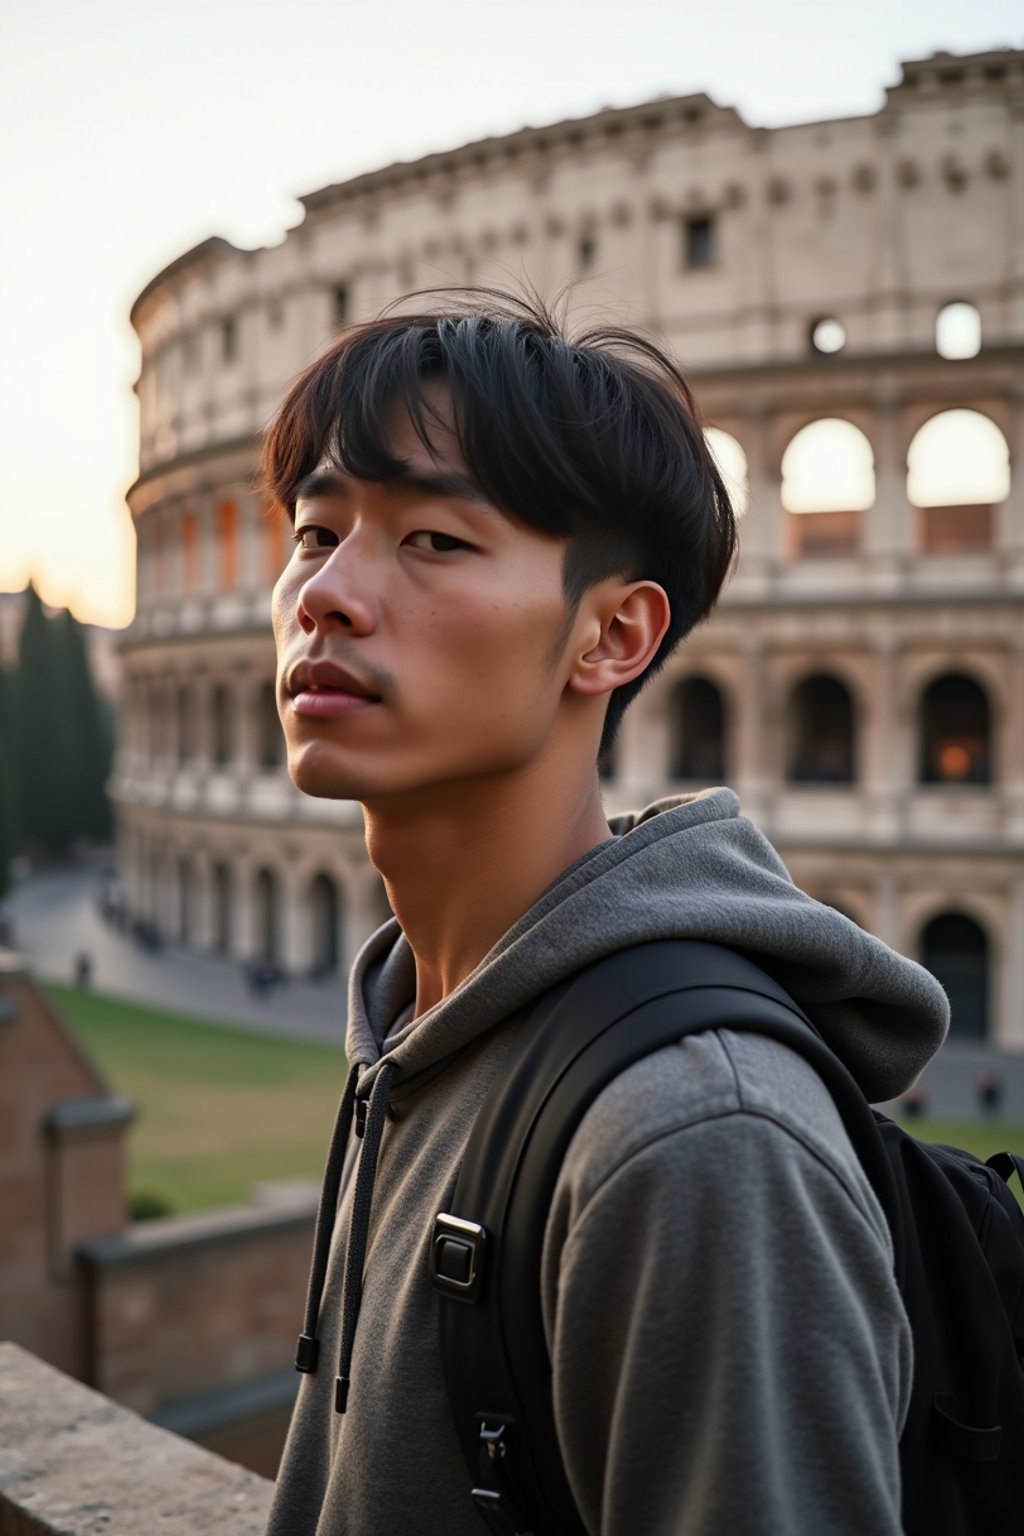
point(129, 132)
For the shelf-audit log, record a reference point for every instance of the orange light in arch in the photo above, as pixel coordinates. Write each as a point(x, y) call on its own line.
point(227, 543)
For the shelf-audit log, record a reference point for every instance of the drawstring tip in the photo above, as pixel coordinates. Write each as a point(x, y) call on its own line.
point(306, 1353)
point(341, 1385)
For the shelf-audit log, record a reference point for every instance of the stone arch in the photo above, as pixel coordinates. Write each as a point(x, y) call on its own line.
point(958, 330)
point(266, 927)
point(186, 900)
point(954, 731)
point(222, 725)
point(268, 734)
point(828, 482)
point(222, 898)
point(697, 730)
point(728, 453)
point(958, 472)
point(955, 948)
point(820, 731)
point(324, 917)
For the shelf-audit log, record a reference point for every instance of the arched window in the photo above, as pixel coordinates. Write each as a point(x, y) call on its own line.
point(697, 731)
point(186, 899)
point(820, 732)
point(266, 928)
point(271, 739)
point(189, 551)
point(828, 479)
point(222, 909)
point(958, 471)
point(728, 454)
point(227, 545)
point(955, 732)
point(323, 912)
point(958, 331)
point(222, 721)
point(186, 744)
point(955, 949)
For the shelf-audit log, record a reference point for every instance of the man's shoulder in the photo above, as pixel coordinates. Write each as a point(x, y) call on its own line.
point(738, 1087)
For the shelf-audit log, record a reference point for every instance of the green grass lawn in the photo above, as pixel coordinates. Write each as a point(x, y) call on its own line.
point(219, 1108)
point(982, 1137)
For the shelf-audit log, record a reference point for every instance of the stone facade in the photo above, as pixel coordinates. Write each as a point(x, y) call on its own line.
point(861, 684)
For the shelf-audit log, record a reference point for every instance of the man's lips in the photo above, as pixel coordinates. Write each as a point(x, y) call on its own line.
point(322, 689)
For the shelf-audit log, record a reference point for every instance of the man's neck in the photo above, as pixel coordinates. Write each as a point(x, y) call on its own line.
point(460, 873)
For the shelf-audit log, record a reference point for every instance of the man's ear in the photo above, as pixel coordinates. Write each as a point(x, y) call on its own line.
point(625, 624)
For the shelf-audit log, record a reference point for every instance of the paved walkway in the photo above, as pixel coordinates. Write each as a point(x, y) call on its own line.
point(55, 915)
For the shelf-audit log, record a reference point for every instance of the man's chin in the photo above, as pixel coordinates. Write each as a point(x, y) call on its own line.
point(319, 774)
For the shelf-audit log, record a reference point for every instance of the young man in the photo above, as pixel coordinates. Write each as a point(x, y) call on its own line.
point(501, 534)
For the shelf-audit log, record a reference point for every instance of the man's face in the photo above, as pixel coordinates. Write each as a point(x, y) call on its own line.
point(442, 608)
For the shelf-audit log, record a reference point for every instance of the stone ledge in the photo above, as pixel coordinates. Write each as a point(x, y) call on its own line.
point(72, 1463)
point(143, 1240)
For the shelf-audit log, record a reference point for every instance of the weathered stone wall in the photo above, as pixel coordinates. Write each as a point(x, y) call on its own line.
point(72, 1463)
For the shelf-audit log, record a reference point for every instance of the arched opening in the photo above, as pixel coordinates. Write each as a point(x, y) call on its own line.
point(828, 481)
point(958, 472)
point(222, 907)
point(323, 912)
point(728, 454)
point(227, 545)
point(267, 917)
point(958, 330)
point(955, 732)
point(697, 731)
point(222, 723)
point(271, 739)
point(186, 900)
point(186, 743)
point(820, 732)
point(955, 949)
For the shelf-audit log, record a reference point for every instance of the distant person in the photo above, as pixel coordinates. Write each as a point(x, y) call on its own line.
point(914, 1102)
point(83, 968)
point(6, 931)
point(989, 1092)
point(501, 534)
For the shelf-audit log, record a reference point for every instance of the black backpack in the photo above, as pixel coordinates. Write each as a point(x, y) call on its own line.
point(957, 1231)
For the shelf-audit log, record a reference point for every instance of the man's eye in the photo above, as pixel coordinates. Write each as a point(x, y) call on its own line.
point(445, 543)
point(312, 536)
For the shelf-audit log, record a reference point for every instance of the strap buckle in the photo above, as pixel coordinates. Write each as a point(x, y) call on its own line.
point(457, 1253)
point(493, 1502)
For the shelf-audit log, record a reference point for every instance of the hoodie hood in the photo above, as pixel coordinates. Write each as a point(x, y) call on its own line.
point(688, 866)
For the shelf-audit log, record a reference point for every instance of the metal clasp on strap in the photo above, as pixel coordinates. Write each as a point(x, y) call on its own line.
point(457, 1257)
point(492, 1501)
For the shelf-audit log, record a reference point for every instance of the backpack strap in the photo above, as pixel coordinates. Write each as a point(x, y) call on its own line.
point(486, 1250)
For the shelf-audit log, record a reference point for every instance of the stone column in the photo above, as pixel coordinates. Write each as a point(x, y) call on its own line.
point(887, 926)
point(1013, 744)
point(762, 528)
point(250, 544)
point(1010, 516)
point(296, 936)
point(881, 760)
point(1010, 1023)
point(751, 773)
point(243, 926)
point(245, 700)
point(888, 525)
point(206, 544)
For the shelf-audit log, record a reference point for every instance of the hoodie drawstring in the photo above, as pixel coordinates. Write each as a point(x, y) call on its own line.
point(308, 1349)
point(359, 1230)
point(359, 1227)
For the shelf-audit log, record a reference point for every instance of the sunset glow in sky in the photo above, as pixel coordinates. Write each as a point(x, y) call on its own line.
point(132, 132)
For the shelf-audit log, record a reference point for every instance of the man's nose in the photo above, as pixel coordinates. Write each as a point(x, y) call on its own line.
point(339, 595)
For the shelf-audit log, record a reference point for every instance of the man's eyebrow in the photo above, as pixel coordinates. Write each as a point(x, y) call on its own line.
point(441, 484)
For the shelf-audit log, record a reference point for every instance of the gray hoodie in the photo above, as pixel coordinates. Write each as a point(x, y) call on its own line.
point(730, 1355)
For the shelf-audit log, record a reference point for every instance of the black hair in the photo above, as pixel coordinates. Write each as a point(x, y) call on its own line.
point(595, 438)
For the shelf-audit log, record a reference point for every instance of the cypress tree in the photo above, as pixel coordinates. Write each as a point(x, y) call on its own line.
point(8, 809)
point(45, 744)
point(92, 736)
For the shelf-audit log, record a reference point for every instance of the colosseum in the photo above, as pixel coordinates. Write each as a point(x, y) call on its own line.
point(848, 298)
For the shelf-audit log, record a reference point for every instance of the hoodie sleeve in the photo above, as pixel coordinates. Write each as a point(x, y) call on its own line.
point(730, 1353)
